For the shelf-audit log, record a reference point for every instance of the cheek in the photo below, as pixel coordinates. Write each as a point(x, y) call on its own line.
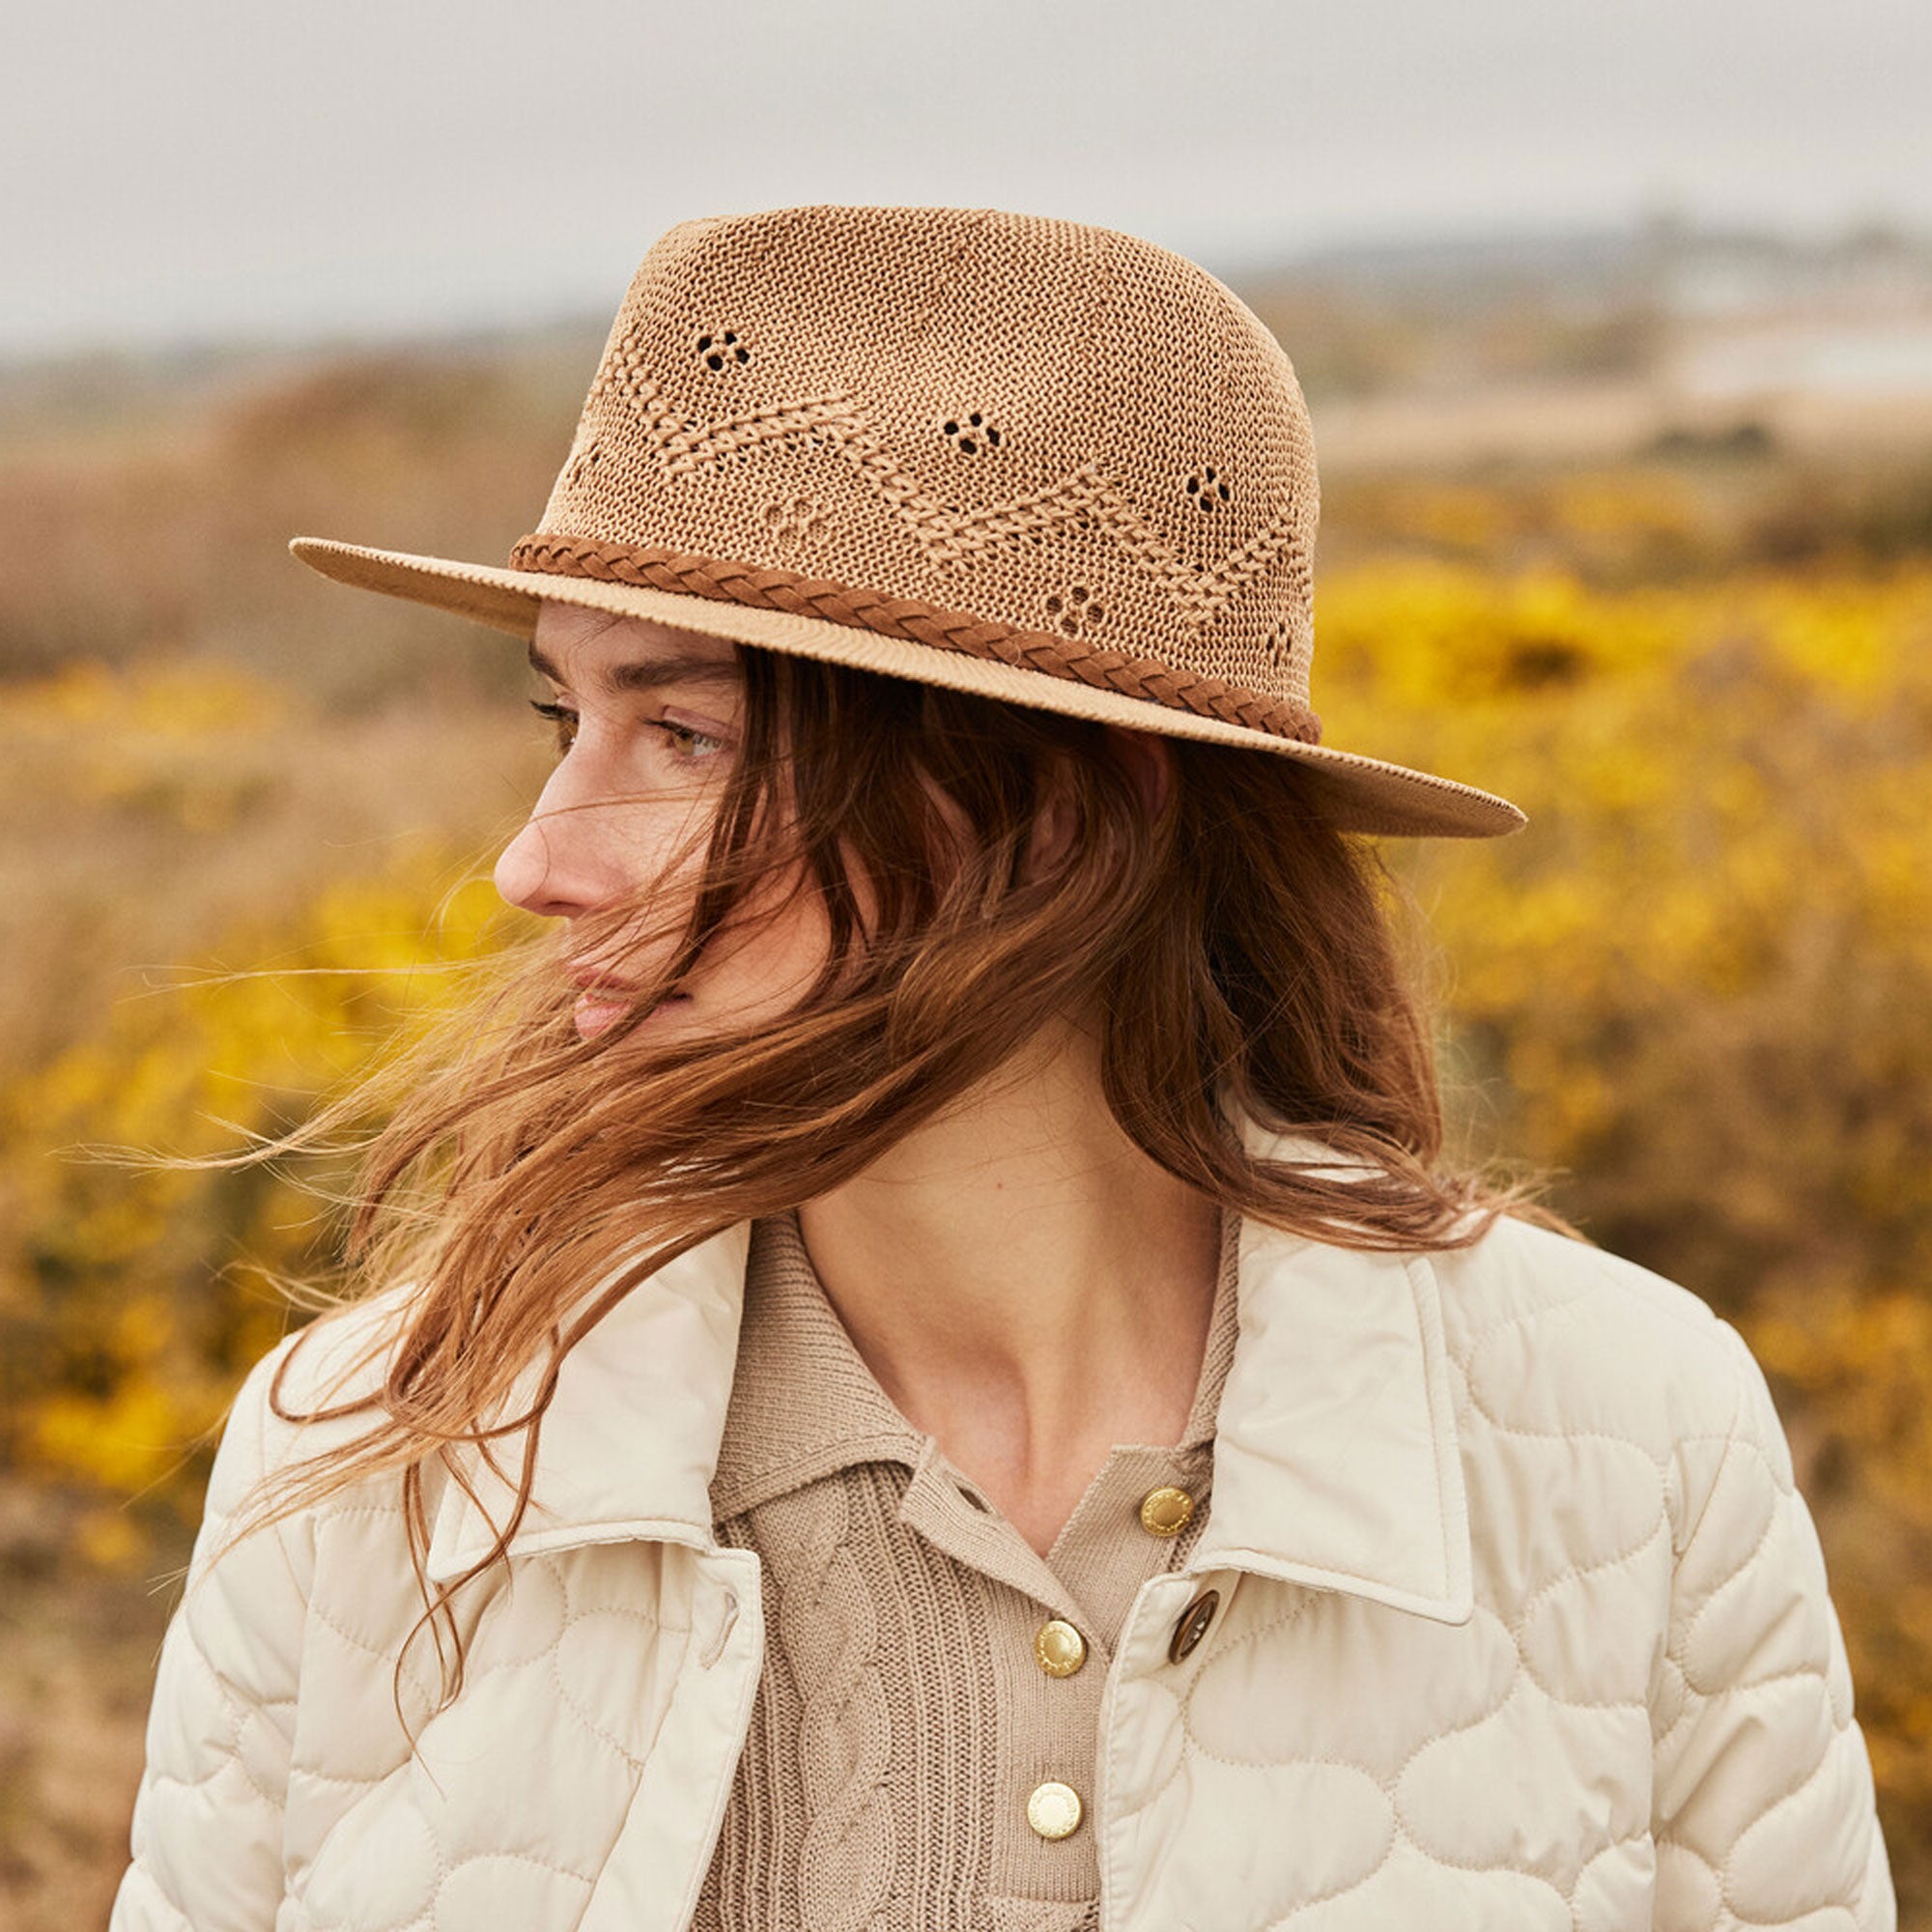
point(662, 842)
point(650, 855)
point(767, 959)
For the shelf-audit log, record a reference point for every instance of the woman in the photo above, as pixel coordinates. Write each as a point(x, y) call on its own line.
point(925, 1370)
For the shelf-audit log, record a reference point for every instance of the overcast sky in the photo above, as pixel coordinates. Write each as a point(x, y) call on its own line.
point(213, 168)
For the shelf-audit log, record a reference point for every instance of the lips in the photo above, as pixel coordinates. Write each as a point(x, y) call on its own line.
point(594, 979)
point(606, 998)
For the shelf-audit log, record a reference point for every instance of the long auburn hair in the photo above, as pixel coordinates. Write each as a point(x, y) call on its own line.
point(1234, 953)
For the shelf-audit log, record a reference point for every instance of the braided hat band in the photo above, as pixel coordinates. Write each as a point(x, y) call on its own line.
point(920, 623)
point(1045, 461)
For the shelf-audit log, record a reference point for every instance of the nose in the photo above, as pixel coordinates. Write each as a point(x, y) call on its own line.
point(554, 866)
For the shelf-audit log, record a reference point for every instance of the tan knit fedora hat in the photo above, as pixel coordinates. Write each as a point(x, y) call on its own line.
point(1043, 462)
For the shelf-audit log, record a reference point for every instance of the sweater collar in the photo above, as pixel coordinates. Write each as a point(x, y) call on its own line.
point(804, 1405)
point(1336, 1464)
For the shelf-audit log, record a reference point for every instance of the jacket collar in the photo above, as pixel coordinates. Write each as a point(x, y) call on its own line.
point(630, 1438)
point(1336, 1463)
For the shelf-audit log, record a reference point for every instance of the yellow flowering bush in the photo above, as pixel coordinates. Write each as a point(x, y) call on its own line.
point(134, 1287)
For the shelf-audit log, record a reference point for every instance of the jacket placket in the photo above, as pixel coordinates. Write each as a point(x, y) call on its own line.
point(651, 1879)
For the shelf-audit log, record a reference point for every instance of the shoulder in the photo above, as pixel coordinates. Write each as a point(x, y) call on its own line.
point(308, 1397)
point(1554, 1337)
point(1518, 1267)
point(1623, 1405)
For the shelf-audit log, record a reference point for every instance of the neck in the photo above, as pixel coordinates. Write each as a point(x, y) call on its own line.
point(1026, 1285)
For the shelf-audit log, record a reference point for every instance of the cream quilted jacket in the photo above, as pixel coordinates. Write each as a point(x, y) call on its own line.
point(1522, 1624)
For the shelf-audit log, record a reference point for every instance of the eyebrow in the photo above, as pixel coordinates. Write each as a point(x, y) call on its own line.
point(651, 674)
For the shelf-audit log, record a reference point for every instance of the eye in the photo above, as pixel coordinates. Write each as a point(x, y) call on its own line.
point(564, 721)
point(688, 742)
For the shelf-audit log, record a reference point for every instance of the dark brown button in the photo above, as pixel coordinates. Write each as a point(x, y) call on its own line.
point(1193, 1626)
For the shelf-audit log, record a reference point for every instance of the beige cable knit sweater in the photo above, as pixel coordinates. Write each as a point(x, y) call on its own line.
point(903, 1717)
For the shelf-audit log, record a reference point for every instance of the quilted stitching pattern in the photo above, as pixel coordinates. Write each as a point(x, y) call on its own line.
point(506, 1814)
point(1646, 1722)
point(218, 1733)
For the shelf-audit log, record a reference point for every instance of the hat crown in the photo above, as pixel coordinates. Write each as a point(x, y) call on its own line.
point(1061, 430)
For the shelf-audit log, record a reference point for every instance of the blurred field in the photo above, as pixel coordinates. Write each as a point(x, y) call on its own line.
point(246, 819)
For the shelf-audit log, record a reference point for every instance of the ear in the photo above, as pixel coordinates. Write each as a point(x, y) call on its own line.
point(1148, 758)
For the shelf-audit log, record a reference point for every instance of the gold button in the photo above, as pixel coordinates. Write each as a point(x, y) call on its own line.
point(1166, 1512)
point(1193, 1626)
point(1059, 1648)
point(1054, 1810)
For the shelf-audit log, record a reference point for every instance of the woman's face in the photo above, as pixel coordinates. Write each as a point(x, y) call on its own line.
point(648, 725)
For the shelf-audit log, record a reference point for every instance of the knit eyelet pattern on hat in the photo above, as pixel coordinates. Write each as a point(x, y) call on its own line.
point(1030, 439)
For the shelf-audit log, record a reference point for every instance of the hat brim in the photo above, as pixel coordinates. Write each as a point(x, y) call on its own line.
point(1359, 794)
